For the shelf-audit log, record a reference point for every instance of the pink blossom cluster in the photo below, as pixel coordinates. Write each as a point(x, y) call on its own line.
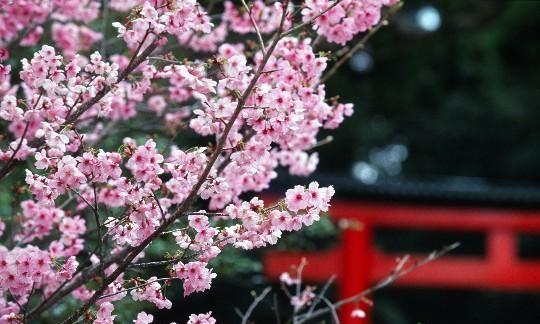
point(28, 16)
point(104, 314)
point(38, 222)
point(21, 14)
point(343, 21)
point(267, 17)
point(144, 318)
point(195, 275)
point(202, 319)
point(23, 270)
point(88, 210)
point(261, 226)
point(287, 109)
point(152, 293)
point(124, 5)
point(181, 17)
point(72, 38)
point(207, 42)
point(302, 297)
point(54, 90)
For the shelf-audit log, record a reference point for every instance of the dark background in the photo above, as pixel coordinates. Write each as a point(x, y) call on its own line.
point(464, 100)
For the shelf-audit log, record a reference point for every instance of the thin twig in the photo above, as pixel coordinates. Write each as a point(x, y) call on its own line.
point(132, 252)
point(163, 215)
point(335, 318)
point(135, 61)
point(28, 301)
point(157, 58)
point(154, 263)
point(321, 295)
point(327, 140)
point(25, 131)
point(254, 304)
point(136, 287)
point(98, 230)
point(83, 199)
point(276, 309)
point(254, 23)
point(299, 271)
point(362, 42)
point(397, 273)
point(311, 21)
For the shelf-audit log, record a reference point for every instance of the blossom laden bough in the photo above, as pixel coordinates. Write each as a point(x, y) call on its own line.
point(91, 211)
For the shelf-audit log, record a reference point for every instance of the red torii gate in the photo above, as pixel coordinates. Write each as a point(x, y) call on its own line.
point(358, 264)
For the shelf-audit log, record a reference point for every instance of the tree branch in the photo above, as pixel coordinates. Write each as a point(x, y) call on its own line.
point(133, 64)
point(362, 42)
point(254, 23)
point(397, 273)
point(254, 304)
point(131, 253)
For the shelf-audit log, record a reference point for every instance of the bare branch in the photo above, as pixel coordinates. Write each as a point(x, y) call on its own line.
point(397, 273)
point(254, 23)
point(276, 309)
point(254, 304)
point(321, 295)
point(332, 308)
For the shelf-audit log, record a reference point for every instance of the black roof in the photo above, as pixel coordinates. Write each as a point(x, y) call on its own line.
point(448, 191)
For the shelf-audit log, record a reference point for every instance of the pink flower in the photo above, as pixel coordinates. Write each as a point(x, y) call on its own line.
point(143, 318)
point(69, 268)
point(297, 198)
point(280, 219)
point(104, 314)
point(153, 293)
point(201, 319)
point(4, 54)
point(195, 275)
point(157, 104)
point(304, 299)
point(198, 222)
point(145, 164)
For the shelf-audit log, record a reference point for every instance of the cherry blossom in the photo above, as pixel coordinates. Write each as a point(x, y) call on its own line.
point(343, 21)
point(86, 208)
point(201, 319)
point(143, 318)
point(104, 314)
